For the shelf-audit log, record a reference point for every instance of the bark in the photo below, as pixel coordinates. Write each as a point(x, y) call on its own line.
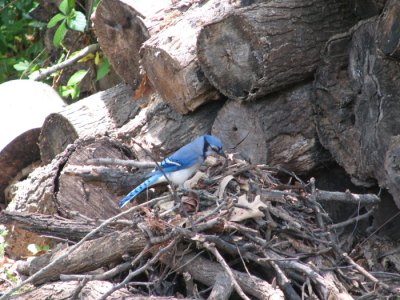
point(62, 290)
point(388, 26)
point(357, 108)
point(99, 114)
point(277, 130)
point(265, 47)
point(54, 226)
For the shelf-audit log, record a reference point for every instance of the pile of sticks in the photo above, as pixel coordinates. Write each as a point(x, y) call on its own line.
point(236, 230)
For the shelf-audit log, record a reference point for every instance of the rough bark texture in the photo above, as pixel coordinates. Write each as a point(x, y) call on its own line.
point(99, 114)
point(170, 61)
point(66, 290)
point(357, 107)
point(50, 225)
point(278, 130)
point(121, 28)
point(388, 41)
point(264, 47)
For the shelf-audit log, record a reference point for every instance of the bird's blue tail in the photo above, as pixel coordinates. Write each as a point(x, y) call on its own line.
point(140, 188)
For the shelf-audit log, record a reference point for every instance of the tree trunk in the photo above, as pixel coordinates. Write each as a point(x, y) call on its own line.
point(265, 47)
point(278, 130)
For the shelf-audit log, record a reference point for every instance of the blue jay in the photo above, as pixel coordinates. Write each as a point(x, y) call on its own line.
point(181, 165)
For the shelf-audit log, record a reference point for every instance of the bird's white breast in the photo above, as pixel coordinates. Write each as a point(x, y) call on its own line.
point(179, 177)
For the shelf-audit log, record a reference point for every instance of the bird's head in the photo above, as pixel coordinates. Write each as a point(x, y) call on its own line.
point(212, 145)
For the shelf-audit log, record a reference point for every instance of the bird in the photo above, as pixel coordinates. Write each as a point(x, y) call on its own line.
point(179, 166)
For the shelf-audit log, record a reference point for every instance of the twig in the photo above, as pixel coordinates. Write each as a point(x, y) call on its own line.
point(46, 72)
point(79, 288)
point(228, 270)
point(139, 270)
point(352, 220)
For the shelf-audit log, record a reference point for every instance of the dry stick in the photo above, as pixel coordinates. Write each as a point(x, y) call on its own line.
point(140, 270)
point(369, 275)
point(228, 270)
point(352, 220)
point(46, 72)
point(73, 248)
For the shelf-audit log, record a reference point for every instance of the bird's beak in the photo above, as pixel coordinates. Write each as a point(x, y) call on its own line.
point(222, 153)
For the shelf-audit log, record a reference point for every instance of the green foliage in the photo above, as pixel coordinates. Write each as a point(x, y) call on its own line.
point(19, 39)
point(72, 88)
point(103, 69)
point(35, 249)
point(68, 18)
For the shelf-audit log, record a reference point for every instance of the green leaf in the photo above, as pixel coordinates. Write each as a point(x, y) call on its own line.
point(103, 69)
point(77, 77)
point(33, 248)
point(77, 21)
point(71, 4)
point(64, 7)
point(22, 65)
point(60, 34)
point(54, 20)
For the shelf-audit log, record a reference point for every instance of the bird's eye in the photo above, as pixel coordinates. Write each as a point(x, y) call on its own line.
point(214, 148)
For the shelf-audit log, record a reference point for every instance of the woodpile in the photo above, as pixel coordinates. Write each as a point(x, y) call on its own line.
point(301, 93)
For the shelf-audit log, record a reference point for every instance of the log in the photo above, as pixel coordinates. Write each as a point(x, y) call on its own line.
point(356, 107)
point(98, 114)
point(121, 28)
point(91, 255)
point(54, 226)
point(265, 47)
point(169, 57)
point(207, 272)
point(277, 130)
point(389, 39)
point(61, 290)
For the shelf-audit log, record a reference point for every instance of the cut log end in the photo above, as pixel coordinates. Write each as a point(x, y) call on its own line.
point(228, 44)
point(50, 141)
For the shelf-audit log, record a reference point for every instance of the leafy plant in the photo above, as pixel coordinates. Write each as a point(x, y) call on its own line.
point(68, 17)
point(20, 46)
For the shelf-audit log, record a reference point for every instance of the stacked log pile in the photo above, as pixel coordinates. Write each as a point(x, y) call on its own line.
point(290, 87)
